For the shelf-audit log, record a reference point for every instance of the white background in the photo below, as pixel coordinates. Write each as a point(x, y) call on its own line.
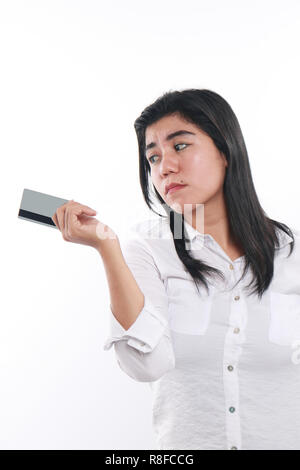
point(74, 77)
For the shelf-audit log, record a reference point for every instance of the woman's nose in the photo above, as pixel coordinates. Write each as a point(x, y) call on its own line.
point(169, 162)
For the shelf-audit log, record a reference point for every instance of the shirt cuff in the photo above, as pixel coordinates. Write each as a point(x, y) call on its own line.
point(144, 334)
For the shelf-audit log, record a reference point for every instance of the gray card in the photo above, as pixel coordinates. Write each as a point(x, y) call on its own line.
point(39, 207)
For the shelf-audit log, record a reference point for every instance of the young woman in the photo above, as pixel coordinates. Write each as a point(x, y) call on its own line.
point(222, 359)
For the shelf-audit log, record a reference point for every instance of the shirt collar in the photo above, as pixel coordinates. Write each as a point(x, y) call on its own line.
point(194, 234)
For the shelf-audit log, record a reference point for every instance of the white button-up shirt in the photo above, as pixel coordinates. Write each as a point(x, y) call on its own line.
point(224, 367)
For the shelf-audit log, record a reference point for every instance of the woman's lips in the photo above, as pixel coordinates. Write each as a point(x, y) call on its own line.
point(175, 188)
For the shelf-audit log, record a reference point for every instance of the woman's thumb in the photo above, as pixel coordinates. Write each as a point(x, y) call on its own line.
point(89, 209)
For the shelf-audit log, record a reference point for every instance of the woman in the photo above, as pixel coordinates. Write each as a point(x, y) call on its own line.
point(223, 360)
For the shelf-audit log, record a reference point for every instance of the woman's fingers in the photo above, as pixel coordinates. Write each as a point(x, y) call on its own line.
point(59, 218)
point(70, 209)
point(71, 217)
point(78, 225)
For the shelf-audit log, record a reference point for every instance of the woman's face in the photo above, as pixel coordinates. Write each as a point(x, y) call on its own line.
point(189, 159)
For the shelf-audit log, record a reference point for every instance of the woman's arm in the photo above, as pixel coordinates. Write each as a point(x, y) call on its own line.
point(138, 311)
point(126, 298)
point(138, 301)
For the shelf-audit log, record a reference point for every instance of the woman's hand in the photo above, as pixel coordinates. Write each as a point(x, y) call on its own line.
point(77, 225)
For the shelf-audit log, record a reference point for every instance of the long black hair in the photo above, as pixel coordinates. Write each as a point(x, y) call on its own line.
point(248, 222)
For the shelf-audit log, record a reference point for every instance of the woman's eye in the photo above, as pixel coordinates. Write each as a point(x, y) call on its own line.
point(176, 145)
point(179, 144)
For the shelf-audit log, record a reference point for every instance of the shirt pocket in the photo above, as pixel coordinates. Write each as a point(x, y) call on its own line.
point(284, 318)
point(189, 311)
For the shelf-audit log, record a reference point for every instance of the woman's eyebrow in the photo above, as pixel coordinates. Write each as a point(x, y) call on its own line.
point(169, 137)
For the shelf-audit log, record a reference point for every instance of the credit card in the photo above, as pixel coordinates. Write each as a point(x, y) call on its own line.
point(39, 207)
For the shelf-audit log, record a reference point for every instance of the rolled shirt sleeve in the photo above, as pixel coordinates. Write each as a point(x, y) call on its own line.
point(144, 351)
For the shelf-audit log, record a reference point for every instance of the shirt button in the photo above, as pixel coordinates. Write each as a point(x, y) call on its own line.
point(231, 409)
point(236, 330)
point(233, 448)
point(230, 368)
point(237, 297)
point(231, 266)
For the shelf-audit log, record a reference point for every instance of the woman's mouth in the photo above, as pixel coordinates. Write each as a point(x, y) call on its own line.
point(175, 188)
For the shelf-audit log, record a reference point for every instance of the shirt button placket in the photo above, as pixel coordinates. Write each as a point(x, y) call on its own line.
point(232, 350)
